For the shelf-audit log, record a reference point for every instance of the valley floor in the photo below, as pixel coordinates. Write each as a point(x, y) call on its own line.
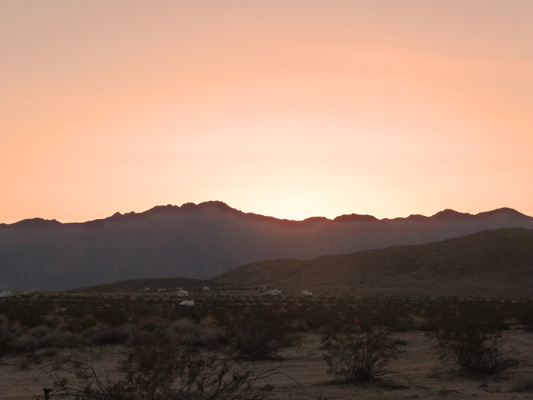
point(301, 373)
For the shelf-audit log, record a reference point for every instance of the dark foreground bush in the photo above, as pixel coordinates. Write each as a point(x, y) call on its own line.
point(360, 357)
point(260, 335)
point(471, 337)
point(104, 335)
point(161, 369)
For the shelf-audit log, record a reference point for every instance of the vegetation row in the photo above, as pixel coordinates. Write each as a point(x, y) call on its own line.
point(202, 351)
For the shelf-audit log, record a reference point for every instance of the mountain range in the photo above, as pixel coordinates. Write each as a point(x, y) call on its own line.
point(205, 240)
point(491, 263)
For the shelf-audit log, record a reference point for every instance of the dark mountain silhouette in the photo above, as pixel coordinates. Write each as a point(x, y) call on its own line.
point(204, 240)
point(492, 263)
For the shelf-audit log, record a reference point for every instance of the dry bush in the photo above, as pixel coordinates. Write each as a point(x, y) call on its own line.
point(61, 339)
point(360, 357)
point(6, 342)
point(260, 336)
point(104, 335)
point(161, 369)
point(523, 385)
point(53, 321)
point(204, 334)
point(210, 337)
point(24, 343)
point(470, 336)
point(299, 325)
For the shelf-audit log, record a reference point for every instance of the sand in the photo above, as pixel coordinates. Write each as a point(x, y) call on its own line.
point(300, 373)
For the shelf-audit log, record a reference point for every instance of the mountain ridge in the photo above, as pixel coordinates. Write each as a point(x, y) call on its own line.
point(222, 206)
point(494, 263)
point(205, 240)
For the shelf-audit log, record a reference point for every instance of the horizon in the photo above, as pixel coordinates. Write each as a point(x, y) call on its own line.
point(264, 215)
point(287, 109)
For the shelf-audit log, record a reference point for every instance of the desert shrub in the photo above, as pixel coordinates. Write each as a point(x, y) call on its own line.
point(315, 313)
point(39, 331)
point(385, 315)
point(210, 335)
point(33, 339)
point(60, 339)
point(78, 325)
point(8, 331)
point(523, 385)
point(24, 361)
point(259, 335)
point(78, 309)
point(359, 357)
point(424, 325)
point(110, 316)
point(29, 358)
point(6, 341)
point(470, 336)
point(184, 327)
point(205, 333)
point(104, 335)
point(5, 347)
point(25, 312)
point(43, 337)
point(24, 343)
point(405, 324)
point(525, 315)
point(52, 321)
point(299, 325)
point(161, 369)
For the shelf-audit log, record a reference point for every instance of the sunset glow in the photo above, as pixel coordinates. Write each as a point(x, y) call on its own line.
point(285, 108)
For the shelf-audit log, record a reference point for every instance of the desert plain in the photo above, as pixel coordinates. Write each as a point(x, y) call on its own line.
point(294, 371)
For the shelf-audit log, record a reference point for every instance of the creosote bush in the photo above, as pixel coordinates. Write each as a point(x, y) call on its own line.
point(359, 357)
point(260, 334)
point(162, 368)
point(470, 336)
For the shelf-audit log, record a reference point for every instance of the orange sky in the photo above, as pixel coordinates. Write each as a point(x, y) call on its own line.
point(285, 108)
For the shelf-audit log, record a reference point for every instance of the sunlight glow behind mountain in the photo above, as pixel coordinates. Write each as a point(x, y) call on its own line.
point(291, 109)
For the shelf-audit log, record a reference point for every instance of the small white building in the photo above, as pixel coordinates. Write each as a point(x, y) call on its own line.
point(187, 303)
point(183, 293)
point(207, 288)
point(306, 293)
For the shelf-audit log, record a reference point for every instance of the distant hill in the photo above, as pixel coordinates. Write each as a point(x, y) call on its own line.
point(153, 284)
point(204, 240)
point(492, 263)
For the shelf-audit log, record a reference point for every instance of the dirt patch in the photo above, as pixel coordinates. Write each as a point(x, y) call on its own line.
point(301, 373)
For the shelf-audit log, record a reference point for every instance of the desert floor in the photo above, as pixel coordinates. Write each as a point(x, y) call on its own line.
point(301, 373)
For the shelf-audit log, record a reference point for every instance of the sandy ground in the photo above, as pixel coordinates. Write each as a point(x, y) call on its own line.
point(301, 374)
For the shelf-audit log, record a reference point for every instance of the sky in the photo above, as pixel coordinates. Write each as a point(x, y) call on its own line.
point(293, 108)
